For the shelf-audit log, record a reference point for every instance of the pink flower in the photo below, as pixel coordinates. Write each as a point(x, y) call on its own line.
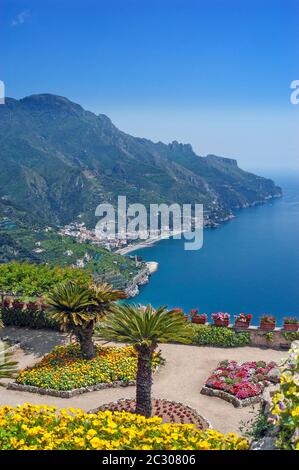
point(241, 380)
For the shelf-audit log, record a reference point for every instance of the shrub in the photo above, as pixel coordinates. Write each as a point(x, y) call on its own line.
point(269, 336)
point(31, 318)
point(291, 335)
point(37, 279)
point(30, 427)
point(257, 427)
point(64, 368)
point(286, 402)
point(209, 335)
point(291, 320)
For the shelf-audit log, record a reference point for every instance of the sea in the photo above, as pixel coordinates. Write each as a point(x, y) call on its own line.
point(249, 264)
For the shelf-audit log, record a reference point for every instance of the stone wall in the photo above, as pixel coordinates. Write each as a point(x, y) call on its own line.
point(261, 338)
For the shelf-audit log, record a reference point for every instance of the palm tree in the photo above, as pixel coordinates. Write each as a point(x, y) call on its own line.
point(144, 328)
point(8, 368)
point(79, 308)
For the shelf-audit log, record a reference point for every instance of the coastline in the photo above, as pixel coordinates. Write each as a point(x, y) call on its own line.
point(144, 244)
point(152, 266)
point(141, 278)
point(151, 241)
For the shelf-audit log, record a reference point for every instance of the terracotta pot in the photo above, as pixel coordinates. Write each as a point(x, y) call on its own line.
point(198, 320)
point(17, 304)
point(242, 324)
point(267, 326)
point(221, 322)
point(32, 306)
point(290, 326)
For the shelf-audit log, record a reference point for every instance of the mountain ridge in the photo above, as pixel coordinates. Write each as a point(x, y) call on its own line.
point(59, 161)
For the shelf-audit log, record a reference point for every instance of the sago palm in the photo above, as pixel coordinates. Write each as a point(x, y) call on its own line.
point(8, 368)
point(144, 328)
point(79, 308)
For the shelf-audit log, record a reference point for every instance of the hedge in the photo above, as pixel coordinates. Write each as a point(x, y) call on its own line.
point(201, 335)
point(31, 318)
point(209, 335)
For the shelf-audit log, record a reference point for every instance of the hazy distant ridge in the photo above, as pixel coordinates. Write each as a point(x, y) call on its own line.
point(59, 161)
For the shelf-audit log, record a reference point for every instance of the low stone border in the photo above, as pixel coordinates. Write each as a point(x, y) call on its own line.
point(67, 393)
point(236, 402)
point(75, 391)
point(124, 401)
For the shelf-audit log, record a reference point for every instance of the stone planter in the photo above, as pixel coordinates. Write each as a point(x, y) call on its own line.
point(198, 320)
point(236, 402)
point(221, 322)
point(267, 326)
point(174, 412)
point(242, 324)
point(17, 304)
point(67, 393)
point(32, 306)
point(290, 326)
point(75, 391)
point(43, 306)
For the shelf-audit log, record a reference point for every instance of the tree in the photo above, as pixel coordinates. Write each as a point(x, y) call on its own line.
point(8, 368)
point(79, 308)
point(144, 328)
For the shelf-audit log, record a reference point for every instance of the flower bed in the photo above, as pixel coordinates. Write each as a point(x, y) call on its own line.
point(64, 373)
point(240, 384)
point(30, 427)
point(168, 411)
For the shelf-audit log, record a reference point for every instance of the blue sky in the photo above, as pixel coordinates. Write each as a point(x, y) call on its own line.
point(215, 73)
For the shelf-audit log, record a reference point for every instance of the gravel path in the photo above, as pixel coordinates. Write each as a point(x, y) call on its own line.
point(185, 371)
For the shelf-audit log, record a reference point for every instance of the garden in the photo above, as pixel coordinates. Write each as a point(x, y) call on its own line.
point(65, 369)
point(87, 312)
point(240, 384)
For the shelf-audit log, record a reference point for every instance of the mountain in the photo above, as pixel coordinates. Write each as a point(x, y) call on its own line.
point(59, 161)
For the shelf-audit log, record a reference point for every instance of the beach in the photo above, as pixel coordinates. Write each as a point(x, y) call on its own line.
point(147, 243)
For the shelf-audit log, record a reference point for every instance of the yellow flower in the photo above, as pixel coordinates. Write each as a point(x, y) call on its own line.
point(95, 442)
point(51, 429)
